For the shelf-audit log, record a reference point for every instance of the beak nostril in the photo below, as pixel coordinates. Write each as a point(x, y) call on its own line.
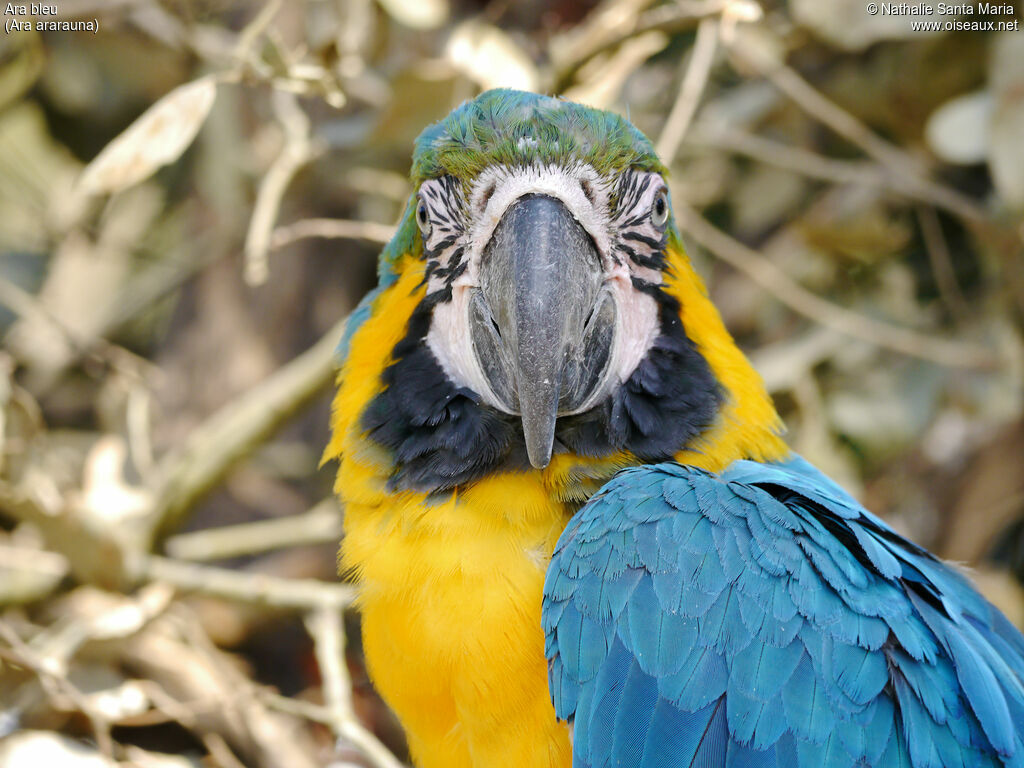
point(494, 325)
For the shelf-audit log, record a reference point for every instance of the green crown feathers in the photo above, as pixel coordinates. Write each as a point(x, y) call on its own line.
point(505, 127)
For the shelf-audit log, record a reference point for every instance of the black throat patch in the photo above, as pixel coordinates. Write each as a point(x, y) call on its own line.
point(442, 435)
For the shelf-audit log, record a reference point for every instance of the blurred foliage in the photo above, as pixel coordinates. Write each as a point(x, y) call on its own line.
point(192, 199)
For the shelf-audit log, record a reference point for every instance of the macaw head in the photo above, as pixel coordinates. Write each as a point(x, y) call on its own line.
point(549, 294)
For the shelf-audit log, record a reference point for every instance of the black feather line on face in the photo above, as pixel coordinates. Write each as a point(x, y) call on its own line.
point(441, 435)
point(655, 260)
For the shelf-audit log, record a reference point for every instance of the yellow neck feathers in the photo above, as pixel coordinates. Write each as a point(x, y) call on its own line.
point(451, 587)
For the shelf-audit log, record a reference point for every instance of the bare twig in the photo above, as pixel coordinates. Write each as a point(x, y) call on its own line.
point(94, 553)
point(106, 617)
point(185, 475)
point(235, 430)
point(782, 363)
point(297, 151)
point(332, 228)
point(176, 653)
point(319, 525)
point(690, 91)
point(247, 37)
point(27, 306)
point(787, 157)
point(807, 163)
point(606, 77)
point(325, 627)
point(298, 707)
point(220, 750)
point(904, 340)
point(895, 160)
point(941, 261)
point(136, 296)
point(163, 277)
point(55, 682)
point(614, 24)
point(309, 711)
point(137, 425)
point(789, 81)
point(39, 561)
point(391, 185)
point(245, 587)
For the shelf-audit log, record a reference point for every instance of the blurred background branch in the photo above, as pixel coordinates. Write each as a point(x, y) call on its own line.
point(193, 199)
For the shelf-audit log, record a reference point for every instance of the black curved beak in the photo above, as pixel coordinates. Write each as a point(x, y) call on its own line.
point(541, 324)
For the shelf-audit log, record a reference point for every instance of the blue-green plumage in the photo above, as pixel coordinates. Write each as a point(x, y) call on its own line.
point(763, 617)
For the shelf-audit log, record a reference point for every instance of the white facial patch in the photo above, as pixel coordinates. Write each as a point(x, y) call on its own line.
point(450, 340)
point(458, 237)
point(636, 324)
point(580, 189)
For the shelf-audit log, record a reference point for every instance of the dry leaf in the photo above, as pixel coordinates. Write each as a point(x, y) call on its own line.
point(29, 749)
point(602, 79)
point(120, 702)
point(106, 495)
point(1005, 157)
point(958, 130)
point(491, 58)
point(418, 14)
point(155, 139)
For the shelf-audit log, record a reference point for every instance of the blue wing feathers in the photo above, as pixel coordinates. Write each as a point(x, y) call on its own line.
point(675, 735)
point(859, 672)
point(594, 726)
point(761, 669)
point(805, 704)
point(649, 549)
point(878, 730)
point(875, 553)
point(634, 718)
point(761, 617)
point(722, 627)
point(701, 679)
point(754, 721)
point(732, 563)
point(896, 754)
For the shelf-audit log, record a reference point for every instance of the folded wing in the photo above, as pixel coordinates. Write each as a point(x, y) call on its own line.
point(762, 617)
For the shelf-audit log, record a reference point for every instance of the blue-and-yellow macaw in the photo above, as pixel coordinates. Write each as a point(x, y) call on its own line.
point(579, 537)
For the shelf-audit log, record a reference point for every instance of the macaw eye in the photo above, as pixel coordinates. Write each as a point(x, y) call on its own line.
point(659, 209)
point(423, 218)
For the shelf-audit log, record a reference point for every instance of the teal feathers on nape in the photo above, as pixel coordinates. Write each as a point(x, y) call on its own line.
point(763, 618)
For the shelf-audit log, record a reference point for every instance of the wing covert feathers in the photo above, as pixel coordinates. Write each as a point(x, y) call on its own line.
point(762, 617)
